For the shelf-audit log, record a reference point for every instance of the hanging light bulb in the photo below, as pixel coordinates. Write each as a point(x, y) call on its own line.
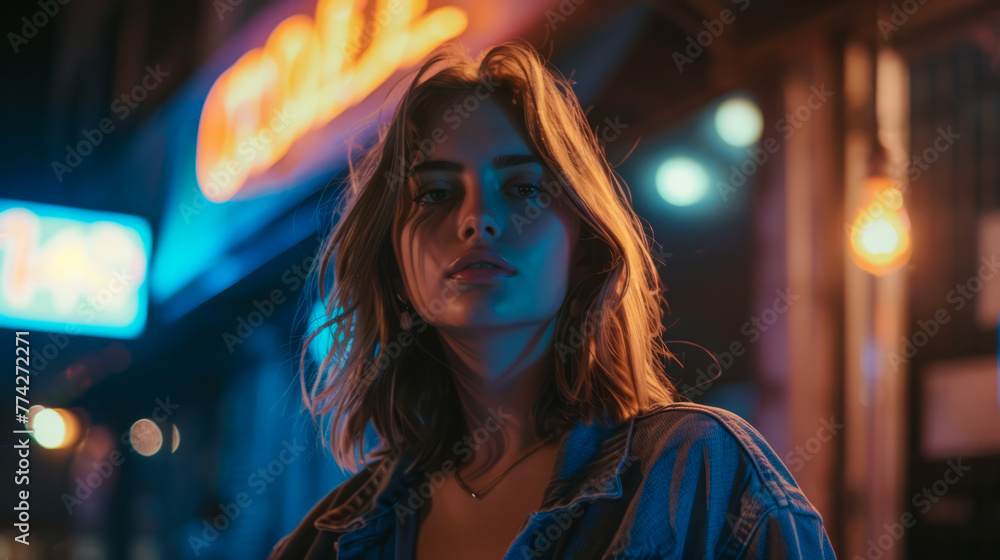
point(880, 232)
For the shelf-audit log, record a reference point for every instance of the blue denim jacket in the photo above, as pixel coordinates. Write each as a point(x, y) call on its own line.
point(680, 481)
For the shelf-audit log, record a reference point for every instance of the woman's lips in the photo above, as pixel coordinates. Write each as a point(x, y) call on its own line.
point(485, 274)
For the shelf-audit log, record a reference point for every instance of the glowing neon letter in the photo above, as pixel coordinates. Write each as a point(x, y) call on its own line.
point(308, 72)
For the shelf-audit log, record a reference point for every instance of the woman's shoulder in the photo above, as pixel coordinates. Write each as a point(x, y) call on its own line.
point(689, 437)
point(724, 486)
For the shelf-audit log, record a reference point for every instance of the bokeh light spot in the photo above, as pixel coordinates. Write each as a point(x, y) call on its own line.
point(681, 181)
point(146, 437)
point(739, 122)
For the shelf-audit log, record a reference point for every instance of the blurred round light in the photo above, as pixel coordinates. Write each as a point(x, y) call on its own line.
point(176, 439)
point(681, 181)
point(146, 437)
point(32, 411)
point(879, 234)
point(739, 122)
point(49, 428)
point(54, 428)
point(880, 238)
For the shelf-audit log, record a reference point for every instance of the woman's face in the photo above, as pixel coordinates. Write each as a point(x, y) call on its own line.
point(477, 190)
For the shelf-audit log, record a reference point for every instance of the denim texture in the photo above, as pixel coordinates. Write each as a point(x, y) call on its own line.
point(680, 481)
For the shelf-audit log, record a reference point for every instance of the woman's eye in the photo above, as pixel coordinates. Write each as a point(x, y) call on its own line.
point(434, 196)
point(527, 190)
point(423, 199)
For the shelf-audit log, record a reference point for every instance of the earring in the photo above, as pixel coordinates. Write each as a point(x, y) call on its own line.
point(405, 321)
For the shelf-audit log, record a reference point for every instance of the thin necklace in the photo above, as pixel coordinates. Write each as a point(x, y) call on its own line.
point(458, 477)
point(477, 495)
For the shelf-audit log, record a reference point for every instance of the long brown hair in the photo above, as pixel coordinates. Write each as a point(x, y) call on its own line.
point(611, 356)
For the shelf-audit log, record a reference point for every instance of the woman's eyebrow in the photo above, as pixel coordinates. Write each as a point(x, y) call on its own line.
point(499, 162)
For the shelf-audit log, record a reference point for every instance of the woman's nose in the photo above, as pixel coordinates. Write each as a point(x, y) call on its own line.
point(479, 214)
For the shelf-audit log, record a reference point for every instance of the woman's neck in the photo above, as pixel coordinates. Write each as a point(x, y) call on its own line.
point(498, 374)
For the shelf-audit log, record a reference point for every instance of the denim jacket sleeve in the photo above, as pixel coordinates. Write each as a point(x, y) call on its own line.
point(739, 497)
point(715, 489)
point(784, 534)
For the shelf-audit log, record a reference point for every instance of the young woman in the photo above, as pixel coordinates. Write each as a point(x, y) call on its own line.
point(501, 316)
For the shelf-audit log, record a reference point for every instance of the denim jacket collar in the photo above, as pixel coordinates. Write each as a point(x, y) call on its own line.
point(588, 466)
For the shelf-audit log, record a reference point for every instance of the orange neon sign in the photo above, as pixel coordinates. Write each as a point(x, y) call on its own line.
point(308, 72)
